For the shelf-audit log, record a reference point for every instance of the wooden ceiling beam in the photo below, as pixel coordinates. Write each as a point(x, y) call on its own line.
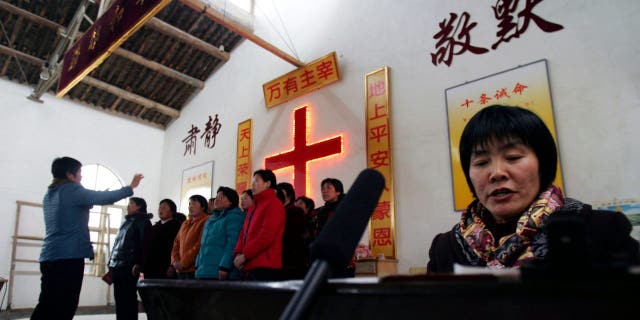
point(122, 115)
point(29, 16)
point(160, 68)
point(167, 29)
point(219, 17)
point(98, 84)
point(119, 92)
point(20, 55)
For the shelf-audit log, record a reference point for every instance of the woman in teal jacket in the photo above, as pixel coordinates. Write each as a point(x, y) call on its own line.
point(219, 237)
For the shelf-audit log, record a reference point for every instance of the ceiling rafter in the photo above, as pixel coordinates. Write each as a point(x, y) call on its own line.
point(119, 51)
point(30, 16)
point(221, 18)
point(93, 82)
point(149, 79)
point(167, 29)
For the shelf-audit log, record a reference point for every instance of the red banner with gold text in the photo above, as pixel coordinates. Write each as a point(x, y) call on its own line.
point(114, 27)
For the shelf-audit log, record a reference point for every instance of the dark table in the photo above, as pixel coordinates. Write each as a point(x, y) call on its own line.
point(445, 297)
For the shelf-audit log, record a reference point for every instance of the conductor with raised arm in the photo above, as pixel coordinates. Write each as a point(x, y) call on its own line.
point(66, 243)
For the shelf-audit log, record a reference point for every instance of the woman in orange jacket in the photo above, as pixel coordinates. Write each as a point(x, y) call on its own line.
point(187, 243)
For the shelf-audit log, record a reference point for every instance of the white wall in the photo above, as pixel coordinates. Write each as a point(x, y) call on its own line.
point(592, 70)
point(33, 134)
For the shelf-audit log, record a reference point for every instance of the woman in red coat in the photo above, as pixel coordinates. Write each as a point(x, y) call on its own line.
point(258, 251)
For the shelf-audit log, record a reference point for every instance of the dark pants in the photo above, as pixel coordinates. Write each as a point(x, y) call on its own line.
point(294, 273)
point(186, 275)
point(343, 273)
point(60, 286)
point(125, 293)
point(263, 274)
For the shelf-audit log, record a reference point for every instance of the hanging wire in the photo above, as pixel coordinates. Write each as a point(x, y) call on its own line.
point(224, 11)
point(293, 48)
point(6, 36)
point(276, 29)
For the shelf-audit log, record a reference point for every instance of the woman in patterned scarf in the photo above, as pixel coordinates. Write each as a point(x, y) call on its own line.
point(509, 159)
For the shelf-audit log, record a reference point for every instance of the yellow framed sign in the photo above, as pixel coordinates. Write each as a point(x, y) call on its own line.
point(526, 86)
point(243, 156)
point(382, 235)
point(311, 77)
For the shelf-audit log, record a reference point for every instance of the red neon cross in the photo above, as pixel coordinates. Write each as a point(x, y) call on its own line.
point(302, 152)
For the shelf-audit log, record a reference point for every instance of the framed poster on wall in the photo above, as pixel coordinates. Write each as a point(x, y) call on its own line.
point(196, 180)
point(525, 86)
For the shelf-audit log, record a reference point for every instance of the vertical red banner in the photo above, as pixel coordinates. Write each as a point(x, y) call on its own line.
point(115, 26)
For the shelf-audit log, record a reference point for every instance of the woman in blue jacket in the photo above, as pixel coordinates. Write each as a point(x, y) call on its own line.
point(66, 242)
point(219, 237)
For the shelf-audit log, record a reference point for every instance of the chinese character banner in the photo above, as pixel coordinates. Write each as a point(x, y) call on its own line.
point(107, 33)
point(382, 235)
point(196, 180)
point(243, 157)
point(525, 86)
point(301, 81)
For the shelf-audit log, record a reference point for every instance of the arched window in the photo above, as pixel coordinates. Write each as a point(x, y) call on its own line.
point(104, 221)
point(100, 177)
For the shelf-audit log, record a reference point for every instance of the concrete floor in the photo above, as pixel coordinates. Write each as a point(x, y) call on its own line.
point(83, 313)
point(141, 316)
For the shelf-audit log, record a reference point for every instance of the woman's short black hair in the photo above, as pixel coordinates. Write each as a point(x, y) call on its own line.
point(289, 192)
point(200, 199)
point(171, 204)
point(510, 123)
point(267, 175)
point(280, 195)
point(337, 184)
point(180, 217)
point(142, 205)
point(249, 193)
point(230, 194)
point(61, 166)
point(307, 202)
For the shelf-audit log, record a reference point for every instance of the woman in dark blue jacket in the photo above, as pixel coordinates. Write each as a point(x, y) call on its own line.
point(126, 258)
point(215, 259)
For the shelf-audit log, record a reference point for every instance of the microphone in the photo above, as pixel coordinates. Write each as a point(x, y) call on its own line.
point(340, 236)
point(567, 240)
point(338, 240)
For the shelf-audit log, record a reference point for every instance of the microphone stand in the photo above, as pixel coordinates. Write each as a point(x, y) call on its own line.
point(335, 244)
point(301, 300)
